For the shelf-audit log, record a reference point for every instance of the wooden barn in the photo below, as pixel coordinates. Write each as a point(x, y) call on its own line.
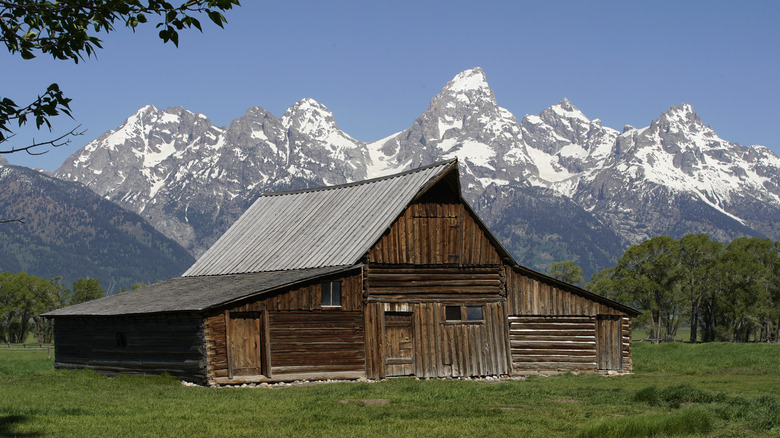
point(395, 276)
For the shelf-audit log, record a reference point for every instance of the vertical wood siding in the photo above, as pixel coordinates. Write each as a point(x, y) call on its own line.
point(434, 233)
point(442, 348)
point(170, 344)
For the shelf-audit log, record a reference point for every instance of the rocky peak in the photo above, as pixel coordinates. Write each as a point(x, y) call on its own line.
point(468, 81)
point(309, 117)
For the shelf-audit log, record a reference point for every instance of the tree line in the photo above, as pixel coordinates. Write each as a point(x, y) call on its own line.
point(725, 292)
point(24, 297)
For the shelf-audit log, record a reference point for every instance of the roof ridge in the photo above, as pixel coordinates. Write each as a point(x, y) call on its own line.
point(360, 183)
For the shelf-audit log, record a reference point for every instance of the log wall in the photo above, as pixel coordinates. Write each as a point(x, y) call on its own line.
point(552, 343)
point(446, 283)
point(317, 343)
point(144, 345)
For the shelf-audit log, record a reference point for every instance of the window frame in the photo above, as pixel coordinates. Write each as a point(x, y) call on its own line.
point(327, 289)
point(463, 317)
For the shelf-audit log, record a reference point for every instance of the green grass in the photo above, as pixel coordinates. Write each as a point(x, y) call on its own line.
point(730, 390)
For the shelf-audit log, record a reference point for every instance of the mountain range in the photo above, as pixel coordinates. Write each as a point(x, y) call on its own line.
point(552, 186)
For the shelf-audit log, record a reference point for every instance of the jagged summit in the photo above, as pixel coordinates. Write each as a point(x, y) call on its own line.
point(469, 80)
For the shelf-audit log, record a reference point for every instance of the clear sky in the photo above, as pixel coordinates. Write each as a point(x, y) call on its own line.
point(376, 65)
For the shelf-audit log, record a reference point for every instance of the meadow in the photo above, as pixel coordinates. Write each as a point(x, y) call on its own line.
point(677, 389)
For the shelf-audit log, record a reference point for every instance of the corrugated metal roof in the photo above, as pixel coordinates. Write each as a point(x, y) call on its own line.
point(329, 226)
point(187, 294)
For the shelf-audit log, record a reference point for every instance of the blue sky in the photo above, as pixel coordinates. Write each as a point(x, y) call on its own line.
point(376, 65)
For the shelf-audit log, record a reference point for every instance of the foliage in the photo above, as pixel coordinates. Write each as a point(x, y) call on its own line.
point(86, 289)
point(735, 387)
point(23, 298)
point(731, 292)
point(566, 271)
point(69, 31)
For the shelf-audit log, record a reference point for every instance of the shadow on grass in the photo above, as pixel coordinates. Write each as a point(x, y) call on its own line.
point(9, 422)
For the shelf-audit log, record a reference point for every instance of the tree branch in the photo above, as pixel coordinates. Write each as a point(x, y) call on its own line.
point(57, 142)
point(8, 221)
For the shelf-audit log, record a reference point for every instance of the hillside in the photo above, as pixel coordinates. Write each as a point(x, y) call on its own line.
point(71, 232)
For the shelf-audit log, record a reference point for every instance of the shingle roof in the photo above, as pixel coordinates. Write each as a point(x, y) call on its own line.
point(186, 294)
point(329, 226)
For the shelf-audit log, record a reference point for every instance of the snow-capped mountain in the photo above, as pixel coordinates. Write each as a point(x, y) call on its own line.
point(181, 172)
point(191, 179)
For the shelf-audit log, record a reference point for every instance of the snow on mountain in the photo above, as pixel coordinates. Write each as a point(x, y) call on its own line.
point(191, 179)
point(180, 171)
point(464, 121)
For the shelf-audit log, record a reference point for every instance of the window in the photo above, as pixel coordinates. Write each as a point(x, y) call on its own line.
point(121, 339)
point(456, 313)
point(474, 313)
point(452, 313)
point(331, 294)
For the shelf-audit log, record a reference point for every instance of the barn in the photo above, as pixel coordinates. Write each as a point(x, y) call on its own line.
point(394, 276)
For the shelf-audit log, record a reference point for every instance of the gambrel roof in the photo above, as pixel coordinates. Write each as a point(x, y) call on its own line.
point(312, 228)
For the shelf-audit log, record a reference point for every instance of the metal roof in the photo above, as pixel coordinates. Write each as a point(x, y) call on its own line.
point(187, 294)
point(329, 226)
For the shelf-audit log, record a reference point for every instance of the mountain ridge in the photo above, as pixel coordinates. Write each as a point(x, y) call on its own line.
point(191, 179)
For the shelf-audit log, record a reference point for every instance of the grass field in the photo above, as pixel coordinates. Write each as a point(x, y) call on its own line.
point(677, 390)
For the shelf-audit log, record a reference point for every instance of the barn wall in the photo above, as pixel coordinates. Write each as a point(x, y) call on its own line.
point(552, 343)
point(628, 362)
point(441, 348)
point(170, 344)
point(552, 329)
point(446, 283)
point(300, 338)
point(317, 343)
point(435, 229)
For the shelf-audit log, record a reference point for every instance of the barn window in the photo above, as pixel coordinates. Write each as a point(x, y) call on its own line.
point(452, 313)
point(474, 313)
point(331, 294)
point(456, 313)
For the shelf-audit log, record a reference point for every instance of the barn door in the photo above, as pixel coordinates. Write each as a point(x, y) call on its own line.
point(245, 345)
point(608, 342)
point(399, 344)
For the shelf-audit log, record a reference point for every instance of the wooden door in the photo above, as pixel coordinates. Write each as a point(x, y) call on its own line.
point(609, 346)
point(245, 344)
point(399, 344)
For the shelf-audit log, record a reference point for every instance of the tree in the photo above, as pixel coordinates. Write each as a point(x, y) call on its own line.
point(646, 276)
point(697, 254)
point(69, 31)
point(566, 271)
point(86, 289)
point(747, 305)
point(23, 298)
